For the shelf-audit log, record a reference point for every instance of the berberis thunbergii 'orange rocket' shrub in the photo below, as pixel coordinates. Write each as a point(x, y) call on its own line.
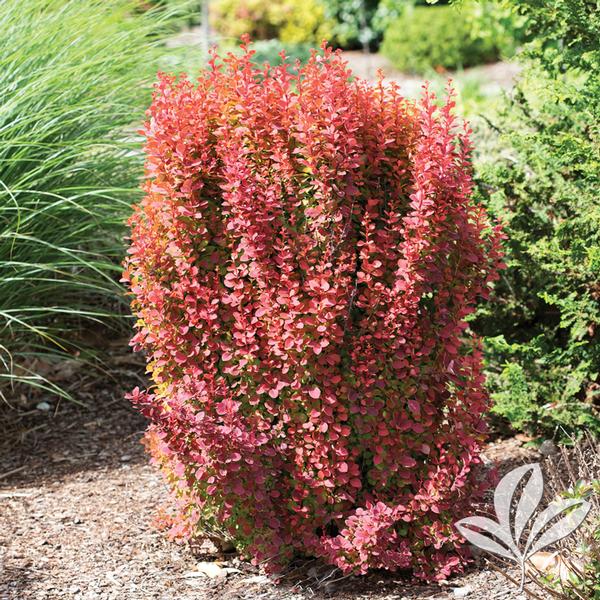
point(302, 265)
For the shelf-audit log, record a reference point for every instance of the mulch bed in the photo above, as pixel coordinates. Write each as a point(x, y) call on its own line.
point(77, 498)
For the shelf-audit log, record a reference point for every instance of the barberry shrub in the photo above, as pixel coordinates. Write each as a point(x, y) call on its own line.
point(302, 265)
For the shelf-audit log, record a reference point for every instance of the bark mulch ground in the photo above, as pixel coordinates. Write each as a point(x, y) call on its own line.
point(77, 497)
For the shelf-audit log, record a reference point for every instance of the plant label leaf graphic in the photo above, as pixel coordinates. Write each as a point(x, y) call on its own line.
point(561, 529)
point(503, 496)
point(504, 544)
point(545, 517)
point(531, 497)
point(483, 541)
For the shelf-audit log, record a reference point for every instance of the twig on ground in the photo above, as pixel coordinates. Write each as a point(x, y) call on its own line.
point(13, 472)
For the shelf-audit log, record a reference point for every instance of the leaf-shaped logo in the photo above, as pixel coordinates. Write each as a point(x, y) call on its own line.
point(504, 536)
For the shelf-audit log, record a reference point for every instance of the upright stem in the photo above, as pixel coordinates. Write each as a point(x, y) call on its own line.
point(363, 26)
point(206, 23)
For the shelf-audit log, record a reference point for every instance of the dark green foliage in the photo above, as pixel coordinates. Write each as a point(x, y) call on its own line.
point(544, 180)
point(355, 21)
point(437, 37)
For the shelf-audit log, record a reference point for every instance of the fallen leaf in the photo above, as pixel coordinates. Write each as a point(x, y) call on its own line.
point(210, 569)
point(552, 563)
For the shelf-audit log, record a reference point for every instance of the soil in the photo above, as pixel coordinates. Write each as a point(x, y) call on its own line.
point(77, 499)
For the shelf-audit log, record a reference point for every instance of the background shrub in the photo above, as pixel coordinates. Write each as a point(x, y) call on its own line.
point(72, 81)
point(543, 179)
point(437, 37)
point(291, 21)
point(498, 22)
point(358, 22)
point(269, 51)
point(302, 264)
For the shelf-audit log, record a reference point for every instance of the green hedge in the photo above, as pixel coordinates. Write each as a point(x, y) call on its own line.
point(543, 180)
point(436, 37)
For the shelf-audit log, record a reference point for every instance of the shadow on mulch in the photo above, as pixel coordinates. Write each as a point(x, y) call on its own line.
point(16, 582)
point(38, 446)
point(313, 577)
